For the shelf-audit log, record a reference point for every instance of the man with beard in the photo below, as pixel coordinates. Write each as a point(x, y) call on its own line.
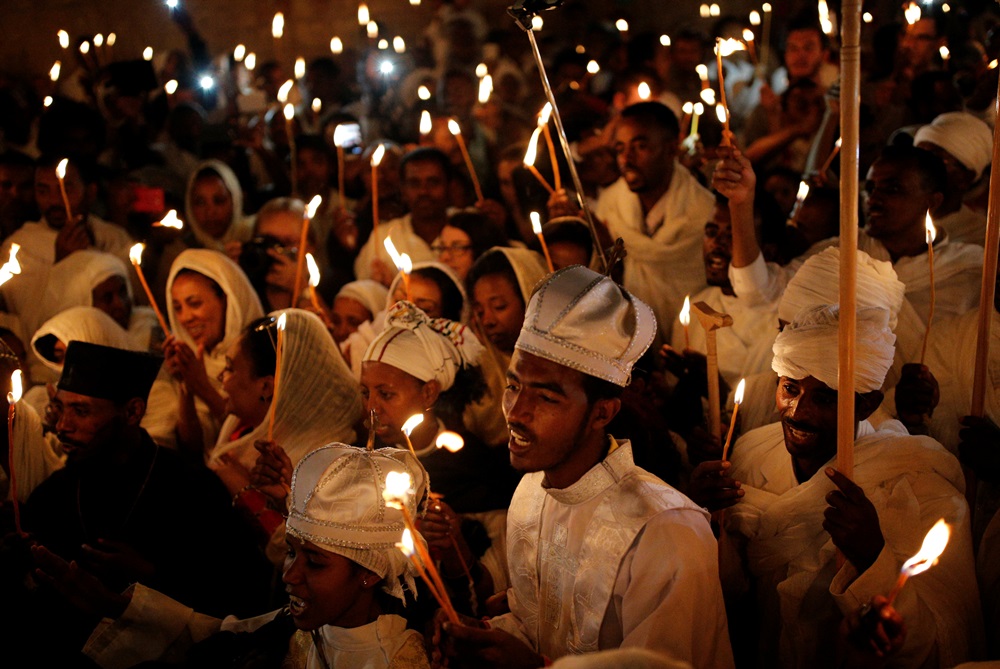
point(744, 348)
point(790, 511)
point(602, 554)
point(45, 242)
point(125, 509)
point(658, 208)
point(426, 176)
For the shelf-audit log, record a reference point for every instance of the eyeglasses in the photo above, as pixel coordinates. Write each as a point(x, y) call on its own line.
point(456, 249)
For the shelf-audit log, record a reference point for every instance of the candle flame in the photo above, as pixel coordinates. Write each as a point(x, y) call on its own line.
point(112, 38)
point(738, 397)
point(372, 30)
point(450, 441)
point(278, 25)
point(699, 109)
point(729, 46)
point(397, 489)
point(545, 114)
point(931, 231)
point(993, 64)
point(390, 248)
point(170, 87)
point(63, 39)
point(643, 90)
point(405, 264)
point(536, 222)
point(135, 253)
point(537, 23)
point(281, 321)
point(250, 61)
point(47, 101)
point(839, 142)
point(147, 53)
point(313, 206)
point(755, 18)
point(406, 545)
point(532, 152)
point(720, 112)
point(714, 9)
point(336, 46)
point(930, 550)
point(55, 70)
point(239, 53)
point(285, 89)
point(945, 53)
point(398, 45)
point(11, 267)
point(364, 16)
point(685, 315)
point(485, 88)
point(424, 93)
point(708, 96)
point(317, 105)
point(411, 423)
point(687, 108)
point(426, 124)
point(593, 67)
point(16, 388)
point(481, 70)
point(170, 221)
point(289, 111)
point(453, 127)
point(313, 270)
point(825, 22)
point(766, 7)
point(702, 71)
point(99, 40)
point(85, 49)
point(622, 25)
point(704, 11)
point(747, 35)
point(867, 17)
point(339, 135)
point(61, 168)
point(300, 67)
point(802, 193)
point(664, 40)
point(912, 13)
point(377, 155)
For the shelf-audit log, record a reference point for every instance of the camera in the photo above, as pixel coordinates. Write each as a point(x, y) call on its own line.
point(254, 258)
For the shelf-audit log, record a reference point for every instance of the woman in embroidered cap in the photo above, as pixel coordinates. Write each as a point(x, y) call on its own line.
point(342, 573)
point(425, 367)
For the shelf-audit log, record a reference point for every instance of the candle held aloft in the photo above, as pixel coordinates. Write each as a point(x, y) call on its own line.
point(278, 350)
point(314, 277)
point(12, 266)
point(61, 176)
point(307, 216)
point(450, 441)
point(930, 234)
point(289, 111)
point(685, 318)
point(934, 543)
point(135, 255)
point(375, 162)
point(536, 227)
point(529, 159)
point(170, 220)
point(402, 263)
point(339, 137)
point(543, 122)
point(278, 26)
point(13, 397)
point(737, 400)
point(455, 129)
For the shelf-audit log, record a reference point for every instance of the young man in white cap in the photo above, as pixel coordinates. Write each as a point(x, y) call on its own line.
point(602, 554)
point(791, 511)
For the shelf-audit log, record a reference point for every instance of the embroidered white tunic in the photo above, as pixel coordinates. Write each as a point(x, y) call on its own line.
point(618, 559)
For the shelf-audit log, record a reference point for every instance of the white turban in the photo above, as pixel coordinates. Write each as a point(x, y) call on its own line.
point(422, 347)
point(369, 294)
point(962, 135)
point(818, 282)
point(337, 504)
point(808, 346)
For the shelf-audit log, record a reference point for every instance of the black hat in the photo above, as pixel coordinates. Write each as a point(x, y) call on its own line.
point(108, 373)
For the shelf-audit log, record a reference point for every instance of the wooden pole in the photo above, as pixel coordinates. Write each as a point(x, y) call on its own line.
point(850, 99)
point(712, 320)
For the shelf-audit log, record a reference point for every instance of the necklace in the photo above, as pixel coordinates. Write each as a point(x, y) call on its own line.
point(135, 502)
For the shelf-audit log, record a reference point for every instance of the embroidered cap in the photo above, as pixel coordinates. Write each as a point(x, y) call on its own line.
point(337, 504)
point(584, 320)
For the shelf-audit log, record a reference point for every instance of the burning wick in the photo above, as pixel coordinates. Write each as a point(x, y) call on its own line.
point(931, 549)
point(61, 175)
point(409, 426)
point(278, 348)
point(313, 283)
point(685, 319)
point(135, 255)
point(737, 400)
point(536, 227)
point(402, 262)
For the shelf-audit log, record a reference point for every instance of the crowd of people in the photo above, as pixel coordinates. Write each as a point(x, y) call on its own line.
point(199, 472)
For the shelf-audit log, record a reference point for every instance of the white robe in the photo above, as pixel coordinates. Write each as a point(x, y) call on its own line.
point(912, 482)
point(663, 267)
point(618, 559)
point(156, 627)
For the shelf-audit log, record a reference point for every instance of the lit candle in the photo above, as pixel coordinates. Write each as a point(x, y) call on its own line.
point(290, 132)
point(284, 90)
point(423, 93)
point(833, 154)
point(63, 39)
point(135, 255)
point(664, 40)
point(278, 26)
point(170, 87)
point(278, 347)
point(61, 175)
point(543, 122)
point(402, 262)
point(55, 70)
point(688, 109)
point(239, 53)
point(825, 22)
point(456, 130)
point(372, 30)
point(406, 546)
point(409, 426)
point(800, 197)
point(47, 101)
point(339, 137)
point(364, 16)
point(643, 91)
point(702, 71)
point(945, 54)
point(300, 67)
point(147, 53)
point(485, 88)
point(537, 23)
point(685, 319)
point(930, 235)
point(313, 283)
point(11, 267)
point(748, 38)
point(912, 13)
point(765, 39)
point(13, 397)
point(426, 123)
point(307, 216)
point(737, 400)
point(450, 441)
point(529, 159)
point(376, 161)
point(699, 109)
point(621, 25)
point(250, 62)
point(707, 96)
point(725, 47)
point(536, 227)
point(935, 541)
point(170, 220)
point(336, 46)
point(755, 18)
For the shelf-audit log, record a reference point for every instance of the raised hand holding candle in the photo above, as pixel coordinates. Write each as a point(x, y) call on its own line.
point(737, 400)
point(13, 397)
point(529, 159)
point(376, 161)
point(135, 255)
point(930, 235)
point(935, 541)
point(536, 227)
point(278, 349)
point(685, 319)
point(543, 123)
point(61, 176)
point(456, 130)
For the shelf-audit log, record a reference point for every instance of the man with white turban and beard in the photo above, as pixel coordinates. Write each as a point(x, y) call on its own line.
point(791, 511)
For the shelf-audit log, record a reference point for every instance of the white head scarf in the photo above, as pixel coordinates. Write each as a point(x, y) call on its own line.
point(529, 267)
point(422, 347)
point(962, 135)
point(318, 401)
point(370, 294)
point(79, 324)
point(337, 504)
point(242, 303)
point(240, 228)
point(818, 282)
point(432, 264)
point(72, 280)
point(808, 346)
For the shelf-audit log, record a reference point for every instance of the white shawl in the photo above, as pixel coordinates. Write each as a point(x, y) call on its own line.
point(240, 228)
